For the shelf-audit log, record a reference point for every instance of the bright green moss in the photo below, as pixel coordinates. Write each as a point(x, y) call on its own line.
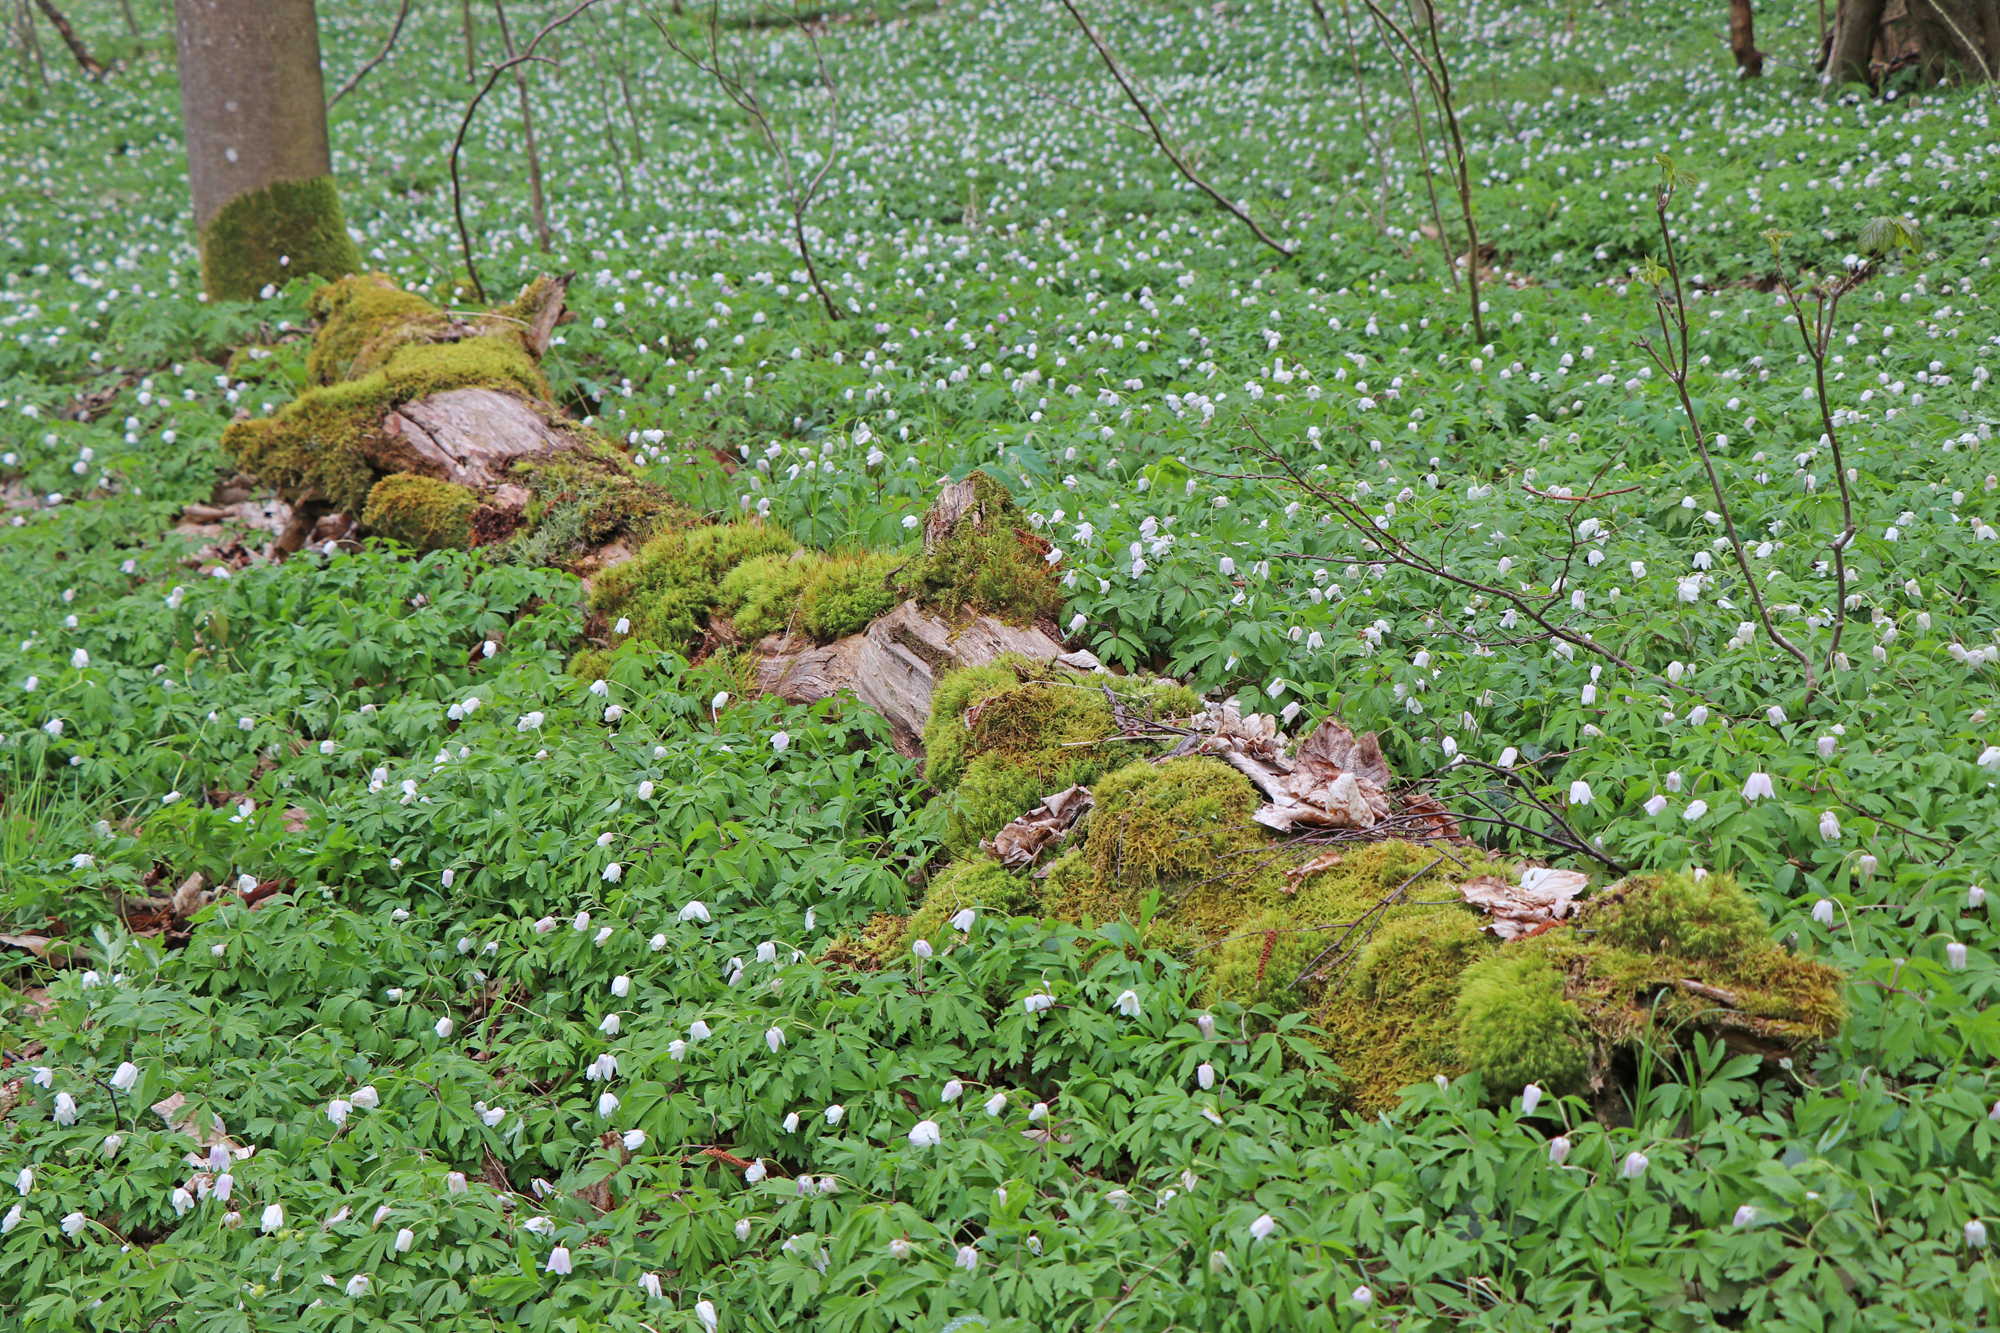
point(581, 499)
point(846, 591)
point(1710, 919)
point(988, 563)
point(296, 222)
point(354, 312)
point(978, 882)
point(421, 512)
point(1391, 1017)
point(1173, 823)
point(1515, 1024)
point(671, 586)
point(761, 595)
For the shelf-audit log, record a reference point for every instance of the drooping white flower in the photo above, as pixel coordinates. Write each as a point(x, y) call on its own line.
point(1745, 1216)
point(953, 1090)
point(1531, 1097)
point(181, 1201)
point(336, 1111)
point(834, 1113)
point(1204, 1074)
point(1559, 1147)
point(621, 986)
point(65, 1112)
point(274, 1217)
point(774, 1038)
point(1363, 1297)
point(695, 911)
point(126, 1076)
point(613, 873)
point(704, 1311)
point(755, 1171)
point(1038, 1003)
point(405, 1238)
point(1955, 956)
point(1206, 1022)
point(1263, 1226)
point(962, 920)
point(1579, 792)
point(1975, 1234)
point(1822, 911)
point(634, 1140)
point(1039, 1111)
point(925, 1134)
point(454, 1182)
point(649, 1286)
point(13, 1219)
point(1655, 803)
point(698, 1031)
point(781, 741)
point(444, 1028)
point(1128, 1003)
point(1635, 1165)
point(610, 1025)
point(743, 1228)
point(1829, 826)
point(607, 1104)
point(1696, 809)
point(968, 1258)
point(558, 1261)
point(112, 1143)
point(996, 1103)
point(1757, 786)
point(225, 1185)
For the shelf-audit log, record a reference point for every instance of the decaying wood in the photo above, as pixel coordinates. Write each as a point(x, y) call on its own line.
point(469, 436)
point(907, 650)
point(1540, 900)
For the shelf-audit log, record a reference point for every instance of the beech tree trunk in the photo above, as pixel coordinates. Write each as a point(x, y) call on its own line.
point(1952, 41)
point(253, 107)
point(1743, 40)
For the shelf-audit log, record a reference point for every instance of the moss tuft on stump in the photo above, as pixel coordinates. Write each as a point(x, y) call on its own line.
point(422, 512)
point(286, 230)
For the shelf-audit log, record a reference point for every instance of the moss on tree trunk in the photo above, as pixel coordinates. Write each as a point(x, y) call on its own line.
point(284, 230)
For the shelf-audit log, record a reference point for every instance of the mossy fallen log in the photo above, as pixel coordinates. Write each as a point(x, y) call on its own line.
point(438, 429)
point(1368, 933)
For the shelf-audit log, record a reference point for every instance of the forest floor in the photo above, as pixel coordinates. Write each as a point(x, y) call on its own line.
point(539, 998)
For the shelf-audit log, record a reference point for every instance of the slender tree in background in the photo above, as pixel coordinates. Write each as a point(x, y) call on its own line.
point(254, 111)
point(1950, 40)
point(1743, 40)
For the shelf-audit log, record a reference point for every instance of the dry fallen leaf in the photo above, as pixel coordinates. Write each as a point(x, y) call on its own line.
point(1542, 898)
point(1022, 841)
point(1300, 873)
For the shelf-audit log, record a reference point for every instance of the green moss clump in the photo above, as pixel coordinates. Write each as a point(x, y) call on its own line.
point(761, 594)
point(354, 312)
point(1030, 736)
point(1392, 1020)
point(583, 498)
point(846, 591)
point(294, 221)
point(669, 589)
point(1260, 961)
point(590, 664)
point(1515, 1025)
point(1169, 824)
point(989, 562)
point(1710, 920)
point(421, 511)
point(978, 882)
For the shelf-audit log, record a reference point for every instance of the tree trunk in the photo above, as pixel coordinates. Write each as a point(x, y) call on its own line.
point(1872, 41)
point(1743, 40)
point(254, 110)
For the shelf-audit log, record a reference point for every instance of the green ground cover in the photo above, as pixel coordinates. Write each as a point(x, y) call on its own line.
point(534, 957)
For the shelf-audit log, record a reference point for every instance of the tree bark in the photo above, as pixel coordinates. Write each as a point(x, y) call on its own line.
point(1872, 41)
point(1743, 40)
point(261, 171)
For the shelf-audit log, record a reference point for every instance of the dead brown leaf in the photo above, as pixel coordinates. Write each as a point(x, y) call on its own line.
point(1022, 841)
point(1542, 898)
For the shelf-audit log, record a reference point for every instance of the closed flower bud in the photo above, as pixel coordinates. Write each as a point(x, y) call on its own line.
point(1206, 1022)
point(1531, 1097)
point(925, 1134)
point(112, 1143)
point(1039, 1111)
point(1954, 956)
point(1635, 1166)
point(404, 1240)
point(126, 1076)
point(607, 1104)
point(454, 1182)
point(1263, 1226)
point(953, 1090)
point(1204, 1074)
point(445, 1028)
point(1745, 1216)
point(1559, 1150)
point(774, 1038)
point(558, 1261)
point(366, 1097)
point(1655, 803)
point(743, 1228)
point(1363, 1297)
point(996, 1103)
point(922, 948)
point(899, 1248)
point(274, 1217)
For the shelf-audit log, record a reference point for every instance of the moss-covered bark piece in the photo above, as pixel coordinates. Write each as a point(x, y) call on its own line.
point(285, 230)
point(400, 388)
point(981, 558)
point(421, 511)
point(1003, 736)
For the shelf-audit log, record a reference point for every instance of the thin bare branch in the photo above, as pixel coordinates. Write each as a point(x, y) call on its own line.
point(354, 80)
point(1159, 136)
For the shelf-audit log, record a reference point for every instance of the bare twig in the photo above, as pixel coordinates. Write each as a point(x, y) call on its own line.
point(89, 64)
point(1159, 135)
point(465, 123)
point(1361, 97)
point(1437, 73)
point(355, 79)
point(1675, 361)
